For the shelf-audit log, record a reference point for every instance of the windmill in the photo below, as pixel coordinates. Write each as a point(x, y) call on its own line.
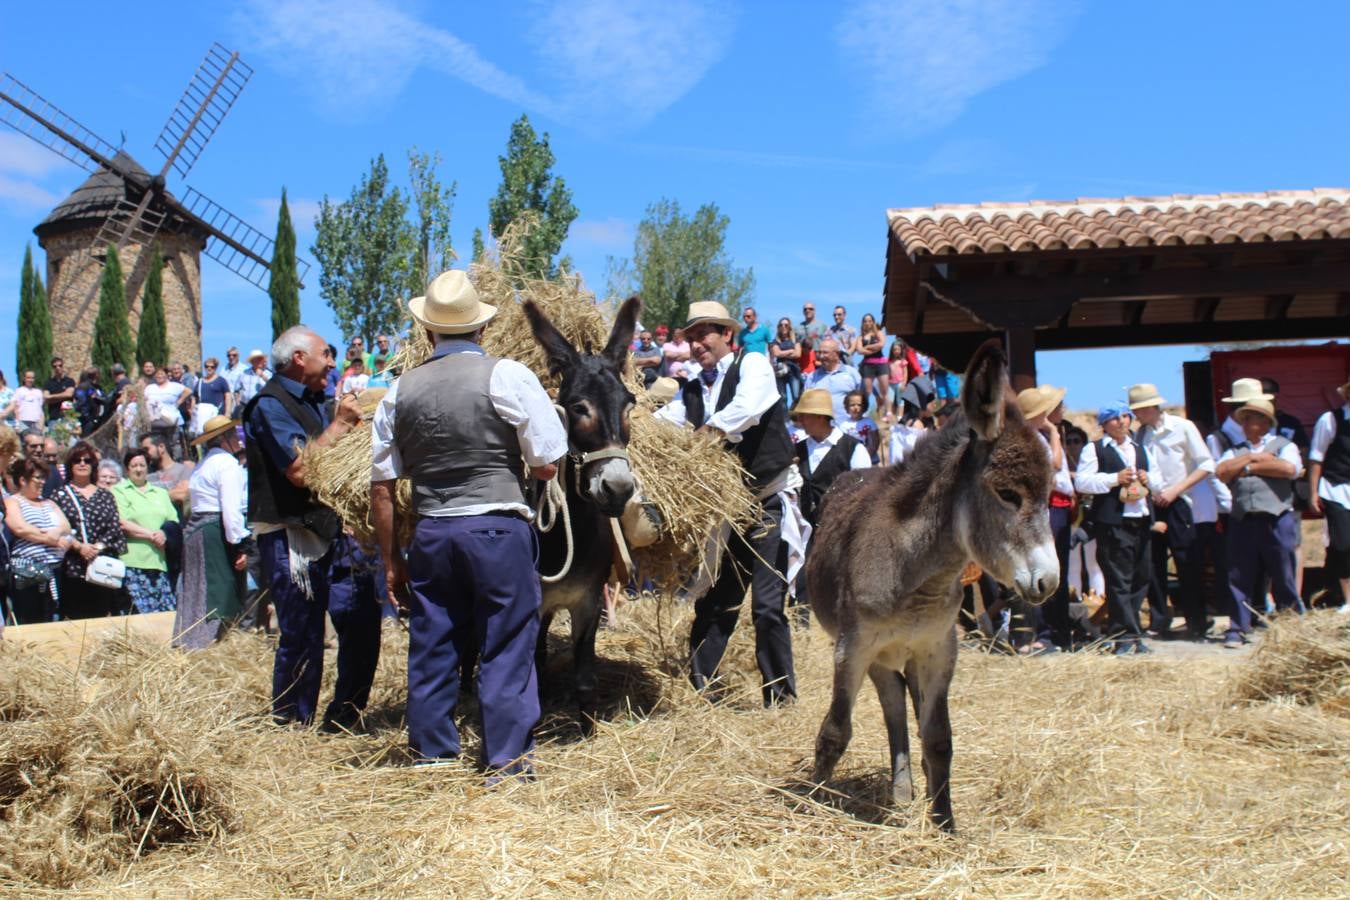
point(127, 207)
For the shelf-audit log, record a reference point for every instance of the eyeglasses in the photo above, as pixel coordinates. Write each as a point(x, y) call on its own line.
point(82, 461)
point(50, 457)
point(808, 309)
point(210, 365)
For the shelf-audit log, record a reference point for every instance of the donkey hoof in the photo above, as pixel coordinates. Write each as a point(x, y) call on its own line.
point(902, 792)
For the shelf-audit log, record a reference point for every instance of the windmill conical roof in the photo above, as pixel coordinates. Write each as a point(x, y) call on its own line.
point(97, 196)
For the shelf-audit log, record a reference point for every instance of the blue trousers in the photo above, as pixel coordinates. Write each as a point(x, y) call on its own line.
point(1261, 543)
point(355, 604)
point(474, 581)
point(298, 669)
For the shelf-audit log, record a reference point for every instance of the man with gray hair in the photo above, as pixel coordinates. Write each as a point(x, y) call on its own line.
point(834, 375)
point(295, 535)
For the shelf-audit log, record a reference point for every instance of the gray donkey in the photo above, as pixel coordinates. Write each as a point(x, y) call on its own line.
point(883, 570)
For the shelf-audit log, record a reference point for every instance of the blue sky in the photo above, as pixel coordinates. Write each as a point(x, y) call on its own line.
point(802, 121)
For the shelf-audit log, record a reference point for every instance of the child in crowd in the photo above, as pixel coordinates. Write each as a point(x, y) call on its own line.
point(859, 427)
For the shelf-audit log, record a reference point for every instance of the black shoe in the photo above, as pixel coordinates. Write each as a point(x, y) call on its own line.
point(1141, 648)
point(1123, 648)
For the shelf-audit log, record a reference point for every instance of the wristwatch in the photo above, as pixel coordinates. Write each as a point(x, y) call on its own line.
point(1247, 469)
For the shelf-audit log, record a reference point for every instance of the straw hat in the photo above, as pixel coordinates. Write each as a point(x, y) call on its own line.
point(1246, 390)
point(1344, 390)
point(451, 305)
point(1038, 400)
point(712, 312)
point(254, 354)
point(663, 390)
point(1264, 407)
point(815, 402)
point(1145, 394)
point(214, 428)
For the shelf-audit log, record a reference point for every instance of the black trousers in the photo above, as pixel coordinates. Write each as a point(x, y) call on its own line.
point(1124, 552)
point(1052, 617)
point(82, 600)
point(1182, 543)
point(754, 558)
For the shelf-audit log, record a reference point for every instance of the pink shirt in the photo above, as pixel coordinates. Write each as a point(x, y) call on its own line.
point(29, 402)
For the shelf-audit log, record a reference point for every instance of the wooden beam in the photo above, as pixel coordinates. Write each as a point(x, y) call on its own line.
point(1206, 308)
point(1021, 346)
point(1015, 302)
point(1277, 306)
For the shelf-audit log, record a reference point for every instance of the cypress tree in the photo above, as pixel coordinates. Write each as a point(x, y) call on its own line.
point(112, 336)
point(284, 285)
point(34, 350)
point(152, 335)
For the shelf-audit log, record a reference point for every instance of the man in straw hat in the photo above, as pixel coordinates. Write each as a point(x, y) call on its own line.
point(823, 456)
point(1119, 471)
point(459, 426)
point(1043, 409)
point(1329, 479)
point(1262, 529)
point(1186, 504)
point(295, 532)
point(214, 540)
point(736, 396)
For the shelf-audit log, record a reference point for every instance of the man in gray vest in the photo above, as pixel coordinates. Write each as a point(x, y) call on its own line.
point(463, 426)
point(1262, 529)
point(1329, 481)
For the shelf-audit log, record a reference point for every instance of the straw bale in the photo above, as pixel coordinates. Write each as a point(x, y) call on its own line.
point(1075, 775)
point(692, 480)
point(1304, 660)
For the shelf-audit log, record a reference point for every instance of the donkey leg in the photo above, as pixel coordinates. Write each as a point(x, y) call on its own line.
point(585, 623)
point(890, 687)
point(541, 648)
point(934, 672)
point(837, 729)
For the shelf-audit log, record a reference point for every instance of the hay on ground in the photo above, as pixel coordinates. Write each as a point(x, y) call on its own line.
point(695, 483)
point(1075, 775)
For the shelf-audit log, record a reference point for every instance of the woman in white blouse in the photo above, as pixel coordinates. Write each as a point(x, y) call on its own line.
point(211, 596)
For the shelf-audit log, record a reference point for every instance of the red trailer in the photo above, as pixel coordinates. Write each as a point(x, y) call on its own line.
point(1308, 375)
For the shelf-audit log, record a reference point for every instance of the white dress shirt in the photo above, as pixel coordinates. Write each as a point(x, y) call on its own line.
point(756, 393)
point(521, 401)
point(1323, 433)
point(1288, 453)
point(1063, 481)
point(818, 450)
point(1090, 481)
point(1178, 449)
point(220, 485)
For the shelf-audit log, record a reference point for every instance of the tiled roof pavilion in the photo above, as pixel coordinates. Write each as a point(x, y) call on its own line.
point(1134, 270)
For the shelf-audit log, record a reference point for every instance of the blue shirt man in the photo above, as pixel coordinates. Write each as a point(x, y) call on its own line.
point(832, 375)
point(754, 337)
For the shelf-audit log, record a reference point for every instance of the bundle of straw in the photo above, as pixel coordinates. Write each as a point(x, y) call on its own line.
point(692, 480)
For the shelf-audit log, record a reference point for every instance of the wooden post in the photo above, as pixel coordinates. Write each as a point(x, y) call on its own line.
point(1021, 347)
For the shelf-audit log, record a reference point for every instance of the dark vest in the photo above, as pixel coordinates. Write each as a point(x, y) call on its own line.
point(765, 450)
point(1336, 461)
point(815, 484)
point(272, 498)
point(1107, 508)
point(455, 448)
point(1262, 493)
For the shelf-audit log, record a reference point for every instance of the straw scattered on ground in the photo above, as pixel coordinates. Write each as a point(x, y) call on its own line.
point(691, 479)
point(1075, 775)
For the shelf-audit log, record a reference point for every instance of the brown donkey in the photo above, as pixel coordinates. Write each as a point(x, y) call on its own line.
point(884, 567)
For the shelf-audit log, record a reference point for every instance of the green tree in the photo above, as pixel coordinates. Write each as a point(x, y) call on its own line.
point(528, 185)
point(479, 248)
point(678, 259)
point(112, 334)
point(152, 335)
point(365, 247)
point(433, 203)
point(34, 328)
point(283, 284)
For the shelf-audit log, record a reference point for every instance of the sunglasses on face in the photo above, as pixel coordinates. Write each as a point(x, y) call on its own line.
point(82, 462)
point(210, 366)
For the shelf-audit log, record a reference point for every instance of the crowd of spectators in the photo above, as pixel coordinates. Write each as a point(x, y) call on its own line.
point(1141, 514)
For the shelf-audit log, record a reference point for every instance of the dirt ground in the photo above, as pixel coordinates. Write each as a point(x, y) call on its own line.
point(1081, 774)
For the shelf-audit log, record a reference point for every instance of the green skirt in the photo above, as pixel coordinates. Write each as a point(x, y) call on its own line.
point(212, 592)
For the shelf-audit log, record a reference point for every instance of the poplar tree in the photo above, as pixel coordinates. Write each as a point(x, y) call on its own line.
point(112, 336)
point(284, 284)
point(34, 328)
point(152, 335)
point(529, 185)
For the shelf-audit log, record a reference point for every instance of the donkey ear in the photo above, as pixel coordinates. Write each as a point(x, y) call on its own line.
point(985, 389)
point(559, 350)
point(621, 337)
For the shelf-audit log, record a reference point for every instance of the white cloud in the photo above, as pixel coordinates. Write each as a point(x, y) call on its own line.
point(622, 62)
point(20, 155)
point(606, 63)
point(303, 212)
point(612, 234)
point(360, 53)
point(925, 60)
point(24, 195)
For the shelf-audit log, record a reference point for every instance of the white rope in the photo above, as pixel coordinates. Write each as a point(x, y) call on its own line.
point(551, 506)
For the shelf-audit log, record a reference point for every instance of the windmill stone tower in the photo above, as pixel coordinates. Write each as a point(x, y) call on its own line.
point(123, 205)
point(75, 268)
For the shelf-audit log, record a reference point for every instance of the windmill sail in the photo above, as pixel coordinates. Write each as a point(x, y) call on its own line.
point(25, 110)
point(208, 97)
point(234, 243)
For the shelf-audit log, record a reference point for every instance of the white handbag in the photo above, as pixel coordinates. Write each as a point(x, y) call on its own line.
point(104, 571)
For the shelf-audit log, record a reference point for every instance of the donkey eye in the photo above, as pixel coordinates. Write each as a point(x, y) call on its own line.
point(581, 409)
point(1012, 498)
